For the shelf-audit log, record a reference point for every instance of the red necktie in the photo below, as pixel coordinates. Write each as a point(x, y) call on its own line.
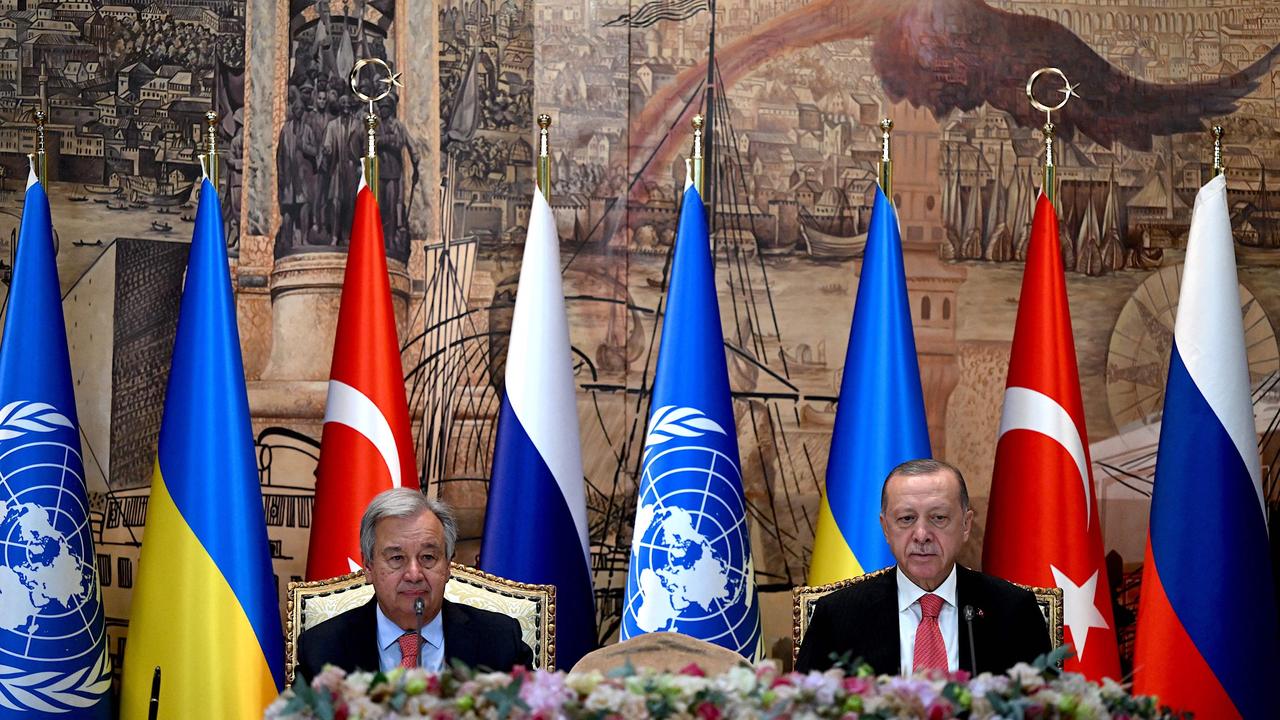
point(409, 650)
point(931, 652)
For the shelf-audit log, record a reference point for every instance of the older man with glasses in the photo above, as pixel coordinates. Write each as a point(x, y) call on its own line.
point(407, 541)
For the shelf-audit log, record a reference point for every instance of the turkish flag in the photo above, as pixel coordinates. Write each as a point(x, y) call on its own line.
point(1042, 522)
point(366, 446)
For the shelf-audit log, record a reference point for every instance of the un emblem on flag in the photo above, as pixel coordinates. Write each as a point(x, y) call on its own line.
point(52, 650)
point(691, 570)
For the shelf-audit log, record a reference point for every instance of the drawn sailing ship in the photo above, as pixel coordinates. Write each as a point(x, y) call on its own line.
point(838, 238)
point(825, 246)
point(156, 193)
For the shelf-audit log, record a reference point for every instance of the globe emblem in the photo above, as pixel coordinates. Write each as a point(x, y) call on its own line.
point(691, 569)
point(50, 608)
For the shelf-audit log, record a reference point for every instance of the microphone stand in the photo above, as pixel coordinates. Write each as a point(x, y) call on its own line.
point(973, 656)
point(418, 609)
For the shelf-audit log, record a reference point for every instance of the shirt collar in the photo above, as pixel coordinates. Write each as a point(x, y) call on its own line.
point(389, 633)
point(909, 593)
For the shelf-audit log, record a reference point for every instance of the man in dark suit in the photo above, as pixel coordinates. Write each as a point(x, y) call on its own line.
point(918, 615)
point(407, 541)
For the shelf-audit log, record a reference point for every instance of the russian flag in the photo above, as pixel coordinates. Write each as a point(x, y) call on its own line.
point(535, 525)
point(1207, 631)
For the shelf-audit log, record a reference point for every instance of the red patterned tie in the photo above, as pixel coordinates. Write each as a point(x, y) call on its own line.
point(931, 652)
point(409, 650)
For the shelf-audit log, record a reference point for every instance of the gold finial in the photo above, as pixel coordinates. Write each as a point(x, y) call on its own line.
point(886, 162)
point(209, 159)
point(370, 159)
point(1068, 91)
point(1050, 169)
point(696, 161)
point(544, 156)
point(390, 80)
point(1218, 168)
point(39, 160)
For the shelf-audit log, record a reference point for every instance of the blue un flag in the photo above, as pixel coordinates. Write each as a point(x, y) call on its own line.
point(53, 647)
point(691, 570)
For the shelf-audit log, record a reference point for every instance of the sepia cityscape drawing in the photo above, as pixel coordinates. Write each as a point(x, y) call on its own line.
point(794, 98)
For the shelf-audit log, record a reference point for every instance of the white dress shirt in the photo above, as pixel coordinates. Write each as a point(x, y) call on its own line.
point(909, 615)
point(431, 650)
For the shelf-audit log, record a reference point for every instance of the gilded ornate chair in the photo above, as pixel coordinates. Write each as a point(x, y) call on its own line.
point(533, 606)
point(804, 598)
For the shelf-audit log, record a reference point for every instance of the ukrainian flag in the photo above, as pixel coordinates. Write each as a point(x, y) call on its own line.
point(205, 608)
point(880, 420)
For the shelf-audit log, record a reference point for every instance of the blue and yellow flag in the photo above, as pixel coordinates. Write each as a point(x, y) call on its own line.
point(53, 646)
point(205, 608)
point(880, 420)
point(691, 569)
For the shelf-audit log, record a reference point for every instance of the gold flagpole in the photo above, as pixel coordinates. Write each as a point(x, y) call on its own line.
point(886, 162)
point(369, 161)
point(1218, 168)
point(1068, 91)
point(210, 157)
point(696, 162)
point(544, 156)
point(39, 160)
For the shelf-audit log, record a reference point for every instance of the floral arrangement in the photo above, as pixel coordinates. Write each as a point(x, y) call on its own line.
point(1026, 691)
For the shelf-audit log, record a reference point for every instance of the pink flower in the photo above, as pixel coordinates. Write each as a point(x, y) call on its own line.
point(940, 710)
point(692, 670)
point(545, 692)
point(330, 678)
point(857, 685)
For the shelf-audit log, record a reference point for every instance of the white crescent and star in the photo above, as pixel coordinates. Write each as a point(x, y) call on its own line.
point(1027, 409)
point(348, 406)
point(1079, 607)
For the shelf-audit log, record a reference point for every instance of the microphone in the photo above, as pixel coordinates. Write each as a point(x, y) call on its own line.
point(418, 609)
point(969, 613)
point(153, 707)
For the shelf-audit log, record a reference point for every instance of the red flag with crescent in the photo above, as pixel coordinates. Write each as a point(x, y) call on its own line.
point(366, 446)
point(1042, 522)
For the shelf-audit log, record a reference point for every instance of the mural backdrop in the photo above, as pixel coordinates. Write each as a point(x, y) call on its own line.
point(795, 94)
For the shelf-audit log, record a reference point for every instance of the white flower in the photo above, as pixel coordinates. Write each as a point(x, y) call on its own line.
point(736, 681)
point(1026, 675)
point(583, 683)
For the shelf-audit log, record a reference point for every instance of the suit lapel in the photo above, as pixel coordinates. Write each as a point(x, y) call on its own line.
point(457, 640)
point(365, 655)
point(887, 639)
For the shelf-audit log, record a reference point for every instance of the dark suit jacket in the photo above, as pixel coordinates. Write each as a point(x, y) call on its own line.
point(479, 638)
point(862, 619)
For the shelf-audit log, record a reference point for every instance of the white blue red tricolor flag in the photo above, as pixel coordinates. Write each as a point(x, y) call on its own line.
point(535, 523)
point(53, 644)
point(691, 569)
point(1207, 634)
